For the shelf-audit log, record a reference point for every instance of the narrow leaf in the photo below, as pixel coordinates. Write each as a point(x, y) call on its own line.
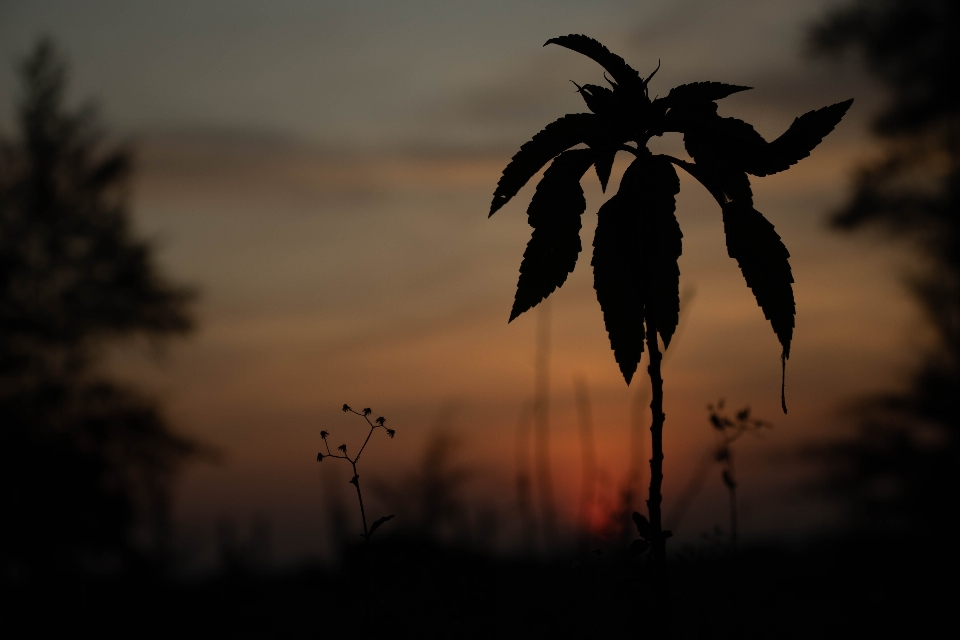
point(554, 213)
point(556, 137)
point(753, 242)
point(619, 279)
point(687, 94)
point(635, 256)
point(738, 145)
point(377, 523)
point(619, 70)
point(663, 247)
point(800, 139)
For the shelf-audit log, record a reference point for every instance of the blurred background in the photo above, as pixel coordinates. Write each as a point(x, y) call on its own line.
point(298, 193)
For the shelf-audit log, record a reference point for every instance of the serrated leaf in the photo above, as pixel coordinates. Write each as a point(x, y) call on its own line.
point(754, 243)
point(738, 145)
point(377, 523)
point(800, 139)
point(622, 73)
point(619, 279)
point(554, 213)
point(636, 247)
point(643, 525)
point(688, 94)
point(665, 247)
point(556, 137)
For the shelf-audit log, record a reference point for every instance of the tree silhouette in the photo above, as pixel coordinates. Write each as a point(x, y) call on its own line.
point(900, 470)
point(638, 239)
point(86, 462)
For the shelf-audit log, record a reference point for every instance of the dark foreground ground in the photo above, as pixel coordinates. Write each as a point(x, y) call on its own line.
point(838, 589)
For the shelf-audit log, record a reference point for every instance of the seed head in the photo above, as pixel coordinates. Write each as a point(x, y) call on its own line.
point(324, 434)
point(367, 411)
point(346, 408)
point(391, 432)
point(343, 448)
point(380, 420)
point(319, 457)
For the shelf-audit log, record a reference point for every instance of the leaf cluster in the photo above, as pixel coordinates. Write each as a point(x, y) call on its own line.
point(638, 239)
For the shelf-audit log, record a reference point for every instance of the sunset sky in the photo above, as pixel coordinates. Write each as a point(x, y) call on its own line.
point(321, 172)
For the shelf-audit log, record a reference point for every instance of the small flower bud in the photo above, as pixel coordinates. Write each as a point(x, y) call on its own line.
point(380, 420)
point(346, 408)
point(367, 411)
point(324, 434)
point(391, 432)
point(319, 457)
point(343, 448)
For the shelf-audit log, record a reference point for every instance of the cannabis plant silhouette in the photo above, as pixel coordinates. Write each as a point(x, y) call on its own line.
point(638, 239)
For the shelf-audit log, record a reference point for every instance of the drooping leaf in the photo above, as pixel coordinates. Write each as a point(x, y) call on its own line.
point(554, 213)
point(663, 247)
point(377, 523)
point(619, 278)
point(754, 243)
point(636, 247)
point(556, 137)
point(800, 139)
point(686, 94)
point(622, 73)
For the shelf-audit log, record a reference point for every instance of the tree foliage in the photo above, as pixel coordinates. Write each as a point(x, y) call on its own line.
point(638, 239)
point(86, 462)
point(910, 441)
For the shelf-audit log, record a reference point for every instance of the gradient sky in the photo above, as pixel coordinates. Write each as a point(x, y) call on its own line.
point(321, 171)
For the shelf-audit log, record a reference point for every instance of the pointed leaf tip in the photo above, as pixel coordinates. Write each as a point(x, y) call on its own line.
point(619, 70)
point(636, 247)
point(764, 261)
point(554, 213)
point(554, 139)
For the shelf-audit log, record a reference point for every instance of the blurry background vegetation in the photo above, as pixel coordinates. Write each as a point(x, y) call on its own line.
point(85, 460)
point(321, 173)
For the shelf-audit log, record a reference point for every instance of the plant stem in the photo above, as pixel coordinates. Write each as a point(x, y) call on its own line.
point(658, 544)
point(363, 515)
point(655, 499)
point(733, 517)
point(733, 500)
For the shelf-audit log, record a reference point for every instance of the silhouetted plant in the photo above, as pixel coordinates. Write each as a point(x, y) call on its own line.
point(379, 423)
point(728, 431)
point(638, 240)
